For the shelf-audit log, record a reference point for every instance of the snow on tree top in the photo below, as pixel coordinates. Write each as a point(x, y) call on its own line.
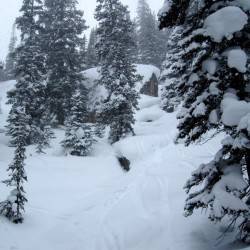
point(225, 22)
point(146, 71)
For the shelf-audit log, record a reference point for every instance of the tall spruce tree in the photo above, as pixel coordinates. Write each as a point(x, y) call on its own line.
point(146, 33)
point(13, 207)
point(63, 38)
point(83, 53)
point(79, 134)
point(117, 72)
point(134, 49)
point(30, 89)
point(172, 71)
point(91, 54)
point(10, 59)
point(3, 76)
point(151, 41)
point(28, 104)
point(217, 98)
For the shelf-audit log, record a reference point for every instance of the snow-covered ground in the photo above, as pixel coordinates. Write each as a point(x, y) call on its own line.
point(90, 203)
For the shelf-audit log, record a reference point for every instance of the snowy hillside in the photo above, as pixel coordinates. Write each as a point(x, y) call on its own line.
point(90, 203)
point(98, 93)
point(146, 71)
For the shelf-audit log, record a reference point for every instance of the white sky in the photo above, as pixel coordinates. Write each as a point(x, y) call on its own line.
point(9, 11)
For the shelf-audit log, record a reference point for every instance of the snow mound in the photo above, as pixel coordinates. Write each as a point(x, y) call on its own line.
point(91, 76)
point(233, 110)
point(225, 22)
point(134, 148)
point(237, 59)
point(146, 71)
point(147, 101)
point(209, 66)
point(149, 115)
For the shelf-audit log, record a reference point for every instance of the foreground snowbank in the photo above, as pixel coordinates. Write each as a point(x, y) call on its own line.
point(92, 204)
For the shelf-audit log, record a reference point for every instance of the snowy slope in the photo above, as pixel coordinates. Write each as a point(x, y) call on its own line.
point(91, 204)
point(146, 71)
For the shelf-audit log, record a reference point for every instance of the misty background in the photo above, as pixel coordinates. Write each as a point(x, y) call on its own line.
point(10, 10)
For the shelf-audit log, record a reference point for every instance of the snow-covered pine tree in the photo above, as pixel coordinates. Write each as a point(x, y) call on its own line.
point(172, 72)
point(13, 207)
point(44, 132)
point(10, 59)
point(161, 43)
point(91, 55)
point(217, 99)
point(3, 76)
point(30, 89)
point(117, 72)
point(63, 37)
point(146, 33)
point(151, 41)
point(134, 49)
point(83, 53)
point(79, 136)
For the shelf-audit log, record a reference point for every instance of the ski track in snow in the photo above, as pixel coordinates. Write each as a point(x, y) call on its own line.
point(91, 204)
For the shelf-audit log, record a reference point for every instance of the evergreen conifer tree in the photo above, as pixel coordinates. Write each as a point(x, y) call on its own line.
point(146, 33)
point(3, 76)
point(10, 59)
point(43, 129)
point(30, 89)
point(117, 72)
point(79, 135)
point(13, 207)
point(172, 72)
point(134, 49)
point(83, 53)
point(91, 55)
point(63, 39)
point(216, 90)
point(151, 41)
point(28, 105)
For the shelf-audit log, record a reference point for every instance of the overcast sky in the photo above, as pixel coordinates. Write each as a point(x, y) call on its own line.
point(9, 11)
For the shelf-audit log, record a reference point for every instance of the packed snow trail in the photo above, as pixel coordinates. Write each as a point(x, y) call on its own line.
point(90, 203)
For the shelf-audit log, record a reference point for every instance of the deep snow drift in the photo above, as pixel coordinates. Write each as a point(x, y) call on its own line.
point(90, 203)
